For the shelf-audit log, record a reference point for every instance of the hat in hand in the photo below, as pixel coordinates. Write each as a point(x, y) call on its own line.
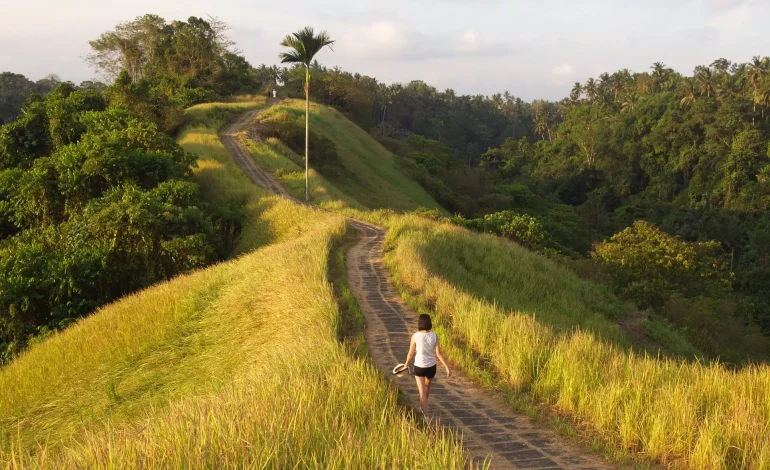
point(400, 370)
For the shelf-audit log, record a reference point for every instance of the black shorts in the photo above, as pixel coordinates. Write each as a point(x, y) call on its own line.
point(427, 372)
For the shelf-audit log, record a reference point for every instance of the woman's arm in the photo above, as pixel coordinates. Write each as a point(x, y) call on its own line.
point(412, 349)
point(441, 358)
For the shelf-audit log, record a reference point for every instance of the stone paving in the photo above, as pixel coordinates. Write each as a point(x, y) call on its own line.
point(488, 427)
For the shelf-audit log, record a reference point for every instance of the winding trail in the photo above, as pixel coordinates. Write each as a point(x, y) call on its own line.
point(488, 427)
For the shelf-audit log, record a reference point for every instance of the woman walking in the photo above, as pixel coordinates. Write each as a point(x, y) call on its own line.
point(425, 349)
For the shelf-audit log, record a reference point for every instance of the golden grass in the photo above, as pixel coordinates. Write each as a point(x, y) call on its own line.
point(234, 366)
point(520, 322)
point(545, 334)
point(371, 178)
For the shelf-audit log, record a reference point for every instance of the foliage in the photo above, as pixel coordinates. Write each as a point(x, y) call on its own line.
point(521, 228)
point(519, 323)
point(650, 266)
point(95, 202)
point(184, 62)
point(197, 353)
point(367, 176)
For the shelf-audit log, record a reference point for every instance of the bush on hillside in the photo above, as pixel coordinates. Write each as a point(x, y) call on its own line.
point(521, 228)
point(650, 266)
point(95, 202)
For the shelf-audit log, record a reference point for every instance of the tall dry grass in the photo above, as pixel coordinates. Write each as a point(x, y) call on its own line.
point(234, 366)
point(546, 333)
point(368, 177)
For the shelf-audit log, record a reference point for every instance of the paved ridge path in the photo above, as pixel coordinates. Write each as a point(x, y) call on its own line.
point(488, 427)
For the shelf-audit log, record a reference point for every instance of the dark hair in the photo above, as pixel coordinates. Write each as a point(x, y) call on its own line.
point(424, 323)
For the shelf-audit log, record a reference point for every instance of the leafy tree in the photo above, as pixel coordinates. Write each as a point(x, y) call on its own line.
point(521, 228)
point(650, 266)
point(304, 45)
point(95, 202)
point(14, 91)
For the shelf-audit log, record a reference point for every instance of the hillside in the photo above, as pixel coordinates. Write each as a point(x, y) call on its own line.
point(191, 373)
point(553, 342)
point(367, 175)
point(128, 383)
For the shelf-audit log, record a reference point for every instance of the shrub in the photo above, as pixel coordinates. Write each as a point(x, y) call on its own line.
point(649, 265)
point(521, 228)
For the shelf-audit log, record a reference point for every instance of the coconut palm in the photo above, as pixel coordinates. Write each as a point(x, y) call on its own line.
point(690, 93)
point(576, 92)
point(731, 86)
point(618, 79)
point(304, 45)
point(706, 81)
point(659, 74)
point(591, 89)
point(756, 69)
point(762, 98)
point(604, 85)
point(630, 102)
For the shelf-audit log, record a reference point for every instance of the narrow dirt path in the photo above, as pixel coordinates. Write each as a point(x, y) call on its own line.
point(488, 427)
point(243, 158)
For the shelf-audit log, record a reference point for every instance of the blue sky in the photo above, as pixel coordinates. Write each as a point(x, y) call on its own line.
point(533, 49)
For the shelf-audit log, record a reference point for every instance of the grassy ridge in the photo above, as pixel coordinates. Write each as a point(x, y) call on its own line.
point(546, 334)
point(520, 322)
point(371, 178)
point(195, 373)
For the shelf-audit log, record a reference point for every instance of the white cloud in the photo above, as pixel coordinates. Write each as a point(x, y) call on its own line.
point(388, 40)
point(563, 70)
point(467, 42)
point(732, 19)
point(383, 40)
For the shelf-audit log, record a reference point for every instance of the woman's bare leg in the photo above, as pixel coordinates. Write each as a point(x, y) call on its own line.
point(427, 388)
point(422, 389)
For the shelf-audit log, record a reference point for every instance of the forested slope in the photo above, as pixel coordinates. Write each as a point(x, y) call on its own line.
point(193, 373)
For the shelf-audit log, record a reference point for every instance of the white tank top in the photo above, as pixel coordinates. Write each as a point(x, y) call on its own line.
point(425, 349)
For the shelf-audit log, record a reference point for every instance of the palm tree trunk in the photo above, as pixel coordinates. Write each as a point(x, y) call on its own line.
point(307, 132)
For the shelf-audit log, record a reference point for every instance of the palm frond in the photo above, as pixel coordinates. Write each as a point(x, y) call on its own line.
point(305, 44)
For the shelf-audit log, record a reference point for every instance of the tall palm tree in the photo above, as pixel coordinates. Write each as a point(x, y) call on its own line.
point(705, 79)
point(659, 73)
point(630, 102)
point(576, 92)
point(543, 111)
point(731, 86)
point(591, 89)
point(755, 71)
point(304, 45)
point(690, 93)
point(604, 85)
point(762, 98)
point(618, 78)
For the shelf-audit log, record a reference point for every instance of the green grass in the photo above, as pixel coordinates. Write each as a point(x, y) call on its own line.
point(536, 330)
point(371, 178)
point(192, 373)
point(196, 372)
point(551, 341)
